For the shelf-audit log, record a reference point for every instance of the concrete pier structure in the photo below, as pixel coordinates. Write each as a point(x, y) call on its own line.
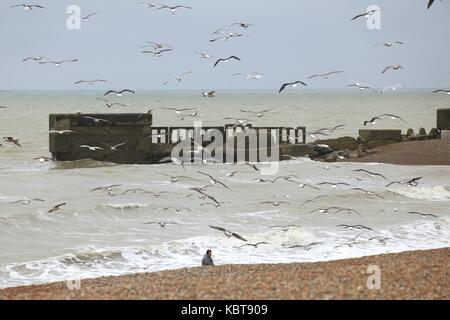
point(112, 129)
point(145, 144)
point(378, 137)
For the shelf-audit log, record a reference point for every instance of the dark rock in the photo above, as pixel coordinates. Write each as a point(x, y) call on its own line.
point(422, 132)
point(410, 132)
point(322, 149)
point(434, 133)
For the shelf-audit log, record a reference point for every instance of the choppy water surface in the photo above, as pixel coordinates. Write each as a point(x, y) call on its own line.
point(97, 234)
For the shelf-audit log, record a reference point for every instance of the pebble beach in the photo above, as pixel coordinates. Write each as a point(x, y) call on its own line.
point(406, 275)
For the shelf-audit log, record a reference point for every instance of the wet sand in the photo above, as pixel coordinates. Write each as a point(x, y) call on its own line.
point(406, 275)
point(428, 152)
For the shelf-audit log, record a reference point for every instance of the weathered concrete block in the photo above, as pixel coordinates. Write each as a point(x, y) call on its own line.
point(443, 119)
point(378, 137)
point(128, 128)
point(342, 143)
point(296, 150)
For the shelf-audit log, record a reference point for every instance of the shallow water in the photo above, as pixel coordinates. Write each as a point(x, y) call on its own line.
point(96, 234)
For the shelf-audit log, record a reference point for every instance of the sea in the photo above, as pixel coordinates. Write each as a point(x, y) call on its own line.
point(96, 234)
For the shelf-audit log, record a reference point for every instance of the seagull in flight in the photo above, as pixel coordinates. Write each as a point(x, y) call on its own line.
point(178, 78)
point(423, 215)
point(370, 173)
point(243, 25)
point(86, 18)
point(111, 104)
point(291, 84)
point(275, 203)
point(390, 44)
point(313, 199)
point(91, 148)
point(39, 58)
point(179, 111)
point(209, 94)
point(392, 116)
point(251, 75)
point(306, 247)
point(254, 245)
point(411, 182)
point(393, 87)
point(213, 181)
point(204, 55)
point(114, 147)
point(157, 53)
point(258, 114)
point(27, 201)
point(90, 82)
point(28, 7)
point(393, 67)
point(157, 45)
point(228, 233)
point(57, 207)
point(162, 224)
point(44, 159)
point(370, 193)
point(203, 195)
point(355, 226)
point(443, 91)
point(106, 188)
point(365, 14)
point(97, 120)
point(12, 140)
point(58, 63)
point(229, 36)
point(119, 93)
point(148, 4)
point(324, 75)
point(174, 161)
point(226, 60)
point(336, 210)
point(172, 8)
point(335, 184)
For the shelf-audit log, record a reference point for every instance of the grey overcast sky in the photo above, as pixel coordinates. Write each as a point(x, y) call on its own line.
point(291, 39)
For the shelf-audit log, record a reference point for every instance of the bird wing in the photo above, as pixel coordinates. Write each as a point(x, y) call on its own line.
point(90, 15)
point(110, 91)
point(394, 116)
point(238, 236)
point(358, 16)
point(217, 62)
point(284, 85)
point(430, 3)
point(386, 69)
point(218, 228)
point(234, 57)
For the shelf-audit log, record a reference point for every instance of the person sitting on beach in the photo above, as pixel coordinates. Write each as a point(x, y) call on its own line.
point(207, 260)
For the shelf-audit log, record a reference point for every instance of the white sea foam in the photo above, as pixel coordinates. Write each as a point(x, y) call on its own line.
point(432, 193)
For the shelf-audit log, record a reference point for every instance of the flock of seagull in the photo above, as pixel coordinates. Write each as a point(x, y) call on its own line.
point(203, 192)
